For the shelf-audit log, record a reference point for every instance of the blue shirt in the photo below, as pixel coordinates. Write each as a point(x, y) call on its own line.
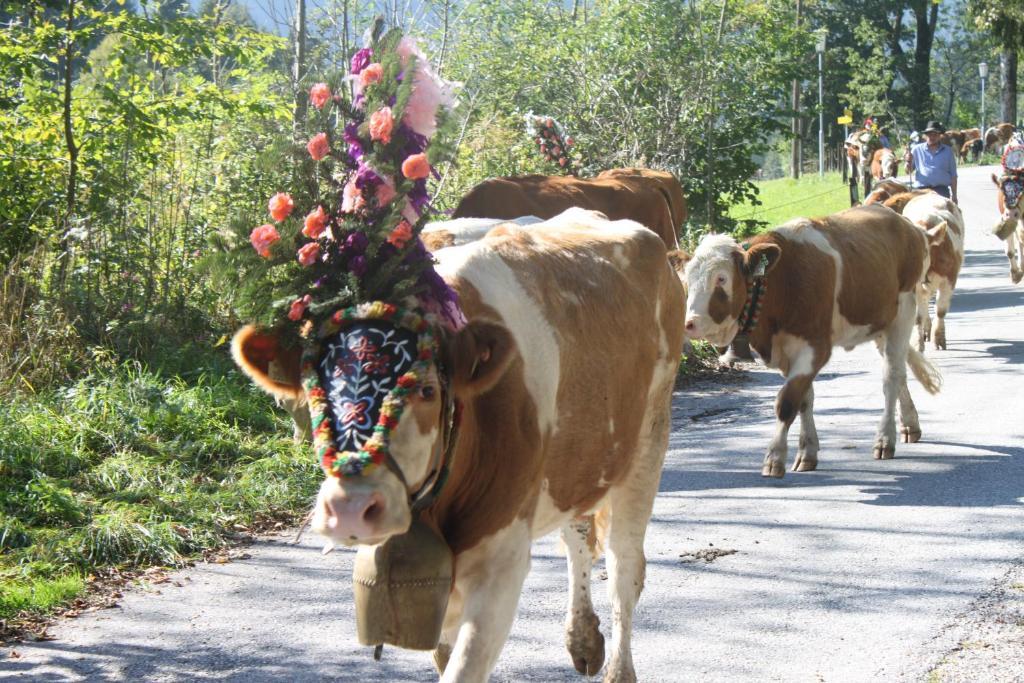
point(933, 168)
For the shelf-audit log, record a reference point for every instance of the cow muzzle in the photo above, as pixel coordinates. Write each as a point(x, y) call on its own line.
point(355, 515)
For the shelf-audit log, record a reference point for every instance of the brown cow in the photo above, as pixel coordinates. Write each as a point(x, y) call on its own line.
point(929, 210)
point(884, 164)
point(651, 198)
point(806, 287)
point(997, 136)
point(549, 436)
point(1010, 227)
point(884, 190)
point(954, 138)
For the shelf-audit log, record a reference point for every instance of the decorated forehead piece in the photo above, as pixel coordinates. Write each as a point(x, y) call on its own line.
point(357, 251)
point(375, 450)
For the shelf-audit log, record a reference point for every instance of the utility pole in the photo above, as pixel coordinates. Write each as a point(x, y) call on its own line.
point(299, 69)
point(797, 159)
point(983, 72)
point(820, 49)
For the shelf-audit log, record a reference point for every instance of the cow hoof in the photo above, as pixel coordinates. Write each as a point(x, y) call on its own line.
point(910, 435)
point(776, 470)
point(805, 463)
point(940, 343)
point(619, 674)
point(585, 644)
point(1016, 276)
point(442, 653)
point(885, 452)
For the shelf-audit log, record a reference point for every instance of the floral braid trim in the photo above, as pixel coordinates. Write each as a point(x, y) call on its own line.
point(376, 449)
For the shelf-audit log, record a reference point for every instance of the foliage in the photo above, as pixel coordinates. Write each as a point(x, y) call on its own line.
point(127, 467)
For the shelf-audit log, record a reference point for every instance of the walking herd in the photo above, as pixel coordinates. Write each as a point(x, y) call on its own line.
point(562, 375)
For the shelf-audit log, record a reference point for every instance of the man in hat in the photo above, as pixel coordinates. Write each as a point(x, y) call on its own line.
point(932, 163)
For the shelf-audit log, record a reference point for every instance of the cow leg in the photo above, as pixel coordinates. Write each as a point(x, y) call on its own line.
point(941, 308)
point(807, 456)
point(924, 319)
point(1011, 254)
point(583, 636)
point(894, 350)
point(489, 580)
point(910, 423)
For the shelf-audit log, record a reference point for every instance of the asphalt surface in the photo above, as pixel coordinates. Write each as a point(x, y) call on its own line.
point(864, 570)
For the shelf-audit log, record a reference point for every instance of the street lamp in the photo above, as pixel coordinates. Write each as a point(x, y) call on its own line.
point(983, 72)
point(820, 49)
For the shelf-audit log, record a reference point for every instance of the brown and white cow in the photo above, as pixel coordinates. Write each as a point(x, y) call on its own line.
point(651, 198)
point(884, 164)
point(861, 146)
point(1010, 227)
point(954, 138)
point(884, 190)
point(997, 136)
point(842, 280)
point(930, 210)
point(565, 372)
point(972, 149)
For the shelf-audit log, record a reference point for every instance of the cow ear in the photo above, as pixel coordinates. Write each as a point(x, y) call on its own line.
point(480, 352)
point(761, 258)
point(678, 259)
point(937, 234)
point(272, 366)
point(995, 180)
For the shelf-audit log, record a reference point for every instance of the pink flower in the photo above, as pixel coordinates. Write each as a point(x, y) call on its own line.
point(262, 237)
point(351, 198)
point(381, 123)
point(569, 142)
point(416, 166)
point(385, 193)
point(319, 95)
point(406, 48)
point(373, 73)
point(315, 223)
point(556, 150)
point(410, 213)
point(562, 161)
point(401, 234)
point(299, 307)
point(309, 253)
point(318, 146)
point(428, 93)
point(280, 206)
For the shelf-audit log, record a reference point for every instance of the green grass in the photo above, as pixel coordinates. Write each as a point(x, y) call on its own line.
point(131, 468)
point(785, 198)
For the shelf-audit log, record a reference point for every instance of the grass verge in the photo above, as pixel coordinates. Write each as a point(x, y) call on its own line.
point(784, 199)
point(127, 468)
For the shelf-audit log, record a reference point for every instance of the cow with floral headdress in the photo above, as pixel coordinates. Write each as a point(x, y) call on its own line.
point(1010, 183)
point(454, 414)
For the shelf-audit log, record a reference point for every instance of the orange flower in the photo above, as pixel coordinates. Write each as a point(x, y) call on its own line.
point(309, 253)
point(262, 237)
point(318, 146)
point(299, 307)
point(280, 206)
point(315, 223)
point(416, 167)
point(319, 94)
point(401, 234)
point(381, 123)
point(373, 73)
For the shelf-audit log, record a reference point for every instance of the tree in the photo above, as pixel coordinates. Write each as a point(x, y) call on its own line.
point(1005, 19)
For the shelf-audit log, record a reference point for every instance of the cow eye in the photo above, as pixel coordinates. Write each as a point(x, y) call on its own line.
point(720, 281)
point(427, 392)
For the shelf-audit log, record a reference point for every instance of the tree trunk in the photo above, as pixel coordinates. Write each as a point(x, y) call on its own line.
point(926, 14)
point(1008, 83)
point(72, 147)
point(797, 158)
point(299, 70)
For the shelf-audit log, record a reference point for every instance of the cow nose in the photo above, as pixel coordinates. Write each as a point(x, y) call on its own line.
point(353, 517)
point(691, 326)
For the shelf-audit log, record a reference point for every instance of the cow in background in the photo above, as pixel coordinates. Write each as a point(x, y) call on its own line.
point(564, 419)
point(861, 146)
point(884, 165)
point(884, 190)
point(971, 146)
point(651, 198)
point(806, 287)
point(997, 136)
point(1010, 227)
point(954, 138)
point(929, 210)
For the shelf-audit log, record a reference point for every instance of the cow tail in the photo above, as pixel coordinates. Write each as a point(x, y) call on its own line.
point(926, 373)
point(601, 520)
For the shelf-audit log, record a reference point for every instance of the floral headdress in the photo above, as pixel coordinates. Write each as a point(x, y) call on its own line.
point(356, 254)
point(552, 141)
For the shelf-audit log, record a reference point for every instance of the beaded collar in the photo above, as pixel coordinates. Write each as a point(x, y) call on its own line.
point(343, 444)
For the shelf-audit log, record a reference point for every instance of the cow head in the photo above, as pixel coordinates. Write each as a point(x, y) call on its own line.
point(383, 398)
point(889, 164)
point(716, 281)
point(1010, 190)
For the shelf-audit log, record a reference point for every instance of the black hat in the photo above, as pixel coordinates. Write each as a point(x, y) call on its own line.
point(934, 127)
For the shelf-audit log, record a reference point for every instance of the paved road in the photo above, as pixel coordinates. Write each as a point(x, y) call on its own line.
point(864, 570)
